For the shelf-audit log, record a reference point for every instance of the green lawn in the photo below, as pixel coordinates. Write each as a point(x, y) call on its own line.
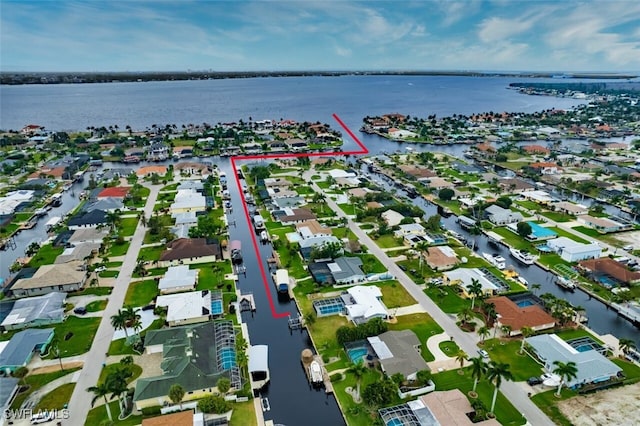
point(631, 370)
point(558, 217)
point(547, 401)
point(151, 254)
point(388, 241)
point(141, 293)
point(56, 399)
point(45, 256)
point(371, 264)
point(135, 370)
point(127, 226)
point(446, 297)
point(243, 414)
point(97, 291)
point(587, 231)
point(119, 347)
point(211, 276)
point(357, 414)
point(118, 249)
point(505, 413)
point(323, 332)
point(522, 366)
point(423, 325)
point(395, 295)
point(96, 306)
point(529, 205)
point(563, 233)
point(36, 381)
point(512, 239)
point(99, 414)
point(575, 333)
point(81, 332)
point(108, 274)
point(449, 347)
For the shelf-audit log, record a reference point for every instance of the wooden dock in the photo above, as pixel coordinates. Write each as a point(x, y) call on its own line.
point(246, 302)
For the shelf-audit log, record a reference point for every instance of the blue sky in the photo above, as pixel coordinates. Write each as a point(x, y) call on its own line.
point(129, 35)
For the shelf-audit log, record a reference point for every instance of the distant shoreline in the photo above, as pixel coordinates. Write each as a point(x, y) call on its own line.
point(21, 78)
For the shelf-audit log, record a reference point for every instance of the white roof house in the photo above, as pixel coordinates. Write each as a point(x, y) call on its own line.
point(410, 229)
point(542, 197)
point(177, 279)
point(464, 277)
point(186, 308)
point(501, 216)
point(339, 173)
point(573, 251)
point(9, 203)
point(592, 366)
point(392, 217)
point(188, 200)
point(365, 303)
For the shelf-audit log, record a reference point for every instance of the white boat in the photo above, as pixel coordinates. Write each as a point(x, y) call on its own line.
point(41, 212)
point(523, 281)
point(496, 260)
point(315, 372)
point(264, 236)
point(565, 283)
point(523, 257)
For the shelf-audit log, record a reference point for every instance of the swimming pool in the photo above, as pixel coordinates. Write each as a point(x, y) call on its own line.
point(227, 358)
point(539, 232)
point(524, 303)
point(394, 422)
point(330, 306)
point(607, 281)
point(357, 354)
point(216, 307)
point(585, 344)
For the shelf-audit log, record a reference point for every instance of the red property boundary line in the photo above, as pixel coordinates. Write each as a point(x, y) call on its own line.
point(265, 279)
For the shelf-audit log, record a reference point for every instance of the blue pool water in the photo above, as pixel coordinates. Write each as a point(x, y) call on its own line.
point(394, 422)
point(606, 281)
point(228, 356)
point(356, 354)
point(584, 348)
point(525, 303)
point(538, 231)
point(216, 307)
point(330, 309)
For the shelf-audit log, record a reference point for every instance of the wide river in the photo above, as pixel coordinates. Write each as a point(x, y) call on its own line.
point(140, 105)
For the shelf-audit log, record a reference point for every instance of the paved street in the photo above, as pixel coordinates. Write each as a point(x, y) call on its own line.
point(466, 341)
point(80, 403)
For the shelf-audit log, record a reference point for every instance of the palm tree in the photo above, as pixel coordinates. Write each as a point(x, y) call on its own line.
point(358, 370)
point(465, 315)
point(101, 391)
point(116, 382)
point(119, 322)
point(176, 393)
point(526, 332)
point(475, 290)
point(461, 357)
point(506, 330)
point(423, 248)
point(625, 345)
point(478, 369)
point(132, 317)
point(483, 332)
point(566, 371)
point(496, 372)
point(535, 288)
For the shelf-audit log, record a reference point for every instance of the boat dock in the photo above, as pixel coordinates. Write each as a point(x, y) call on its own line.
point(306, 359)
point(246, 302)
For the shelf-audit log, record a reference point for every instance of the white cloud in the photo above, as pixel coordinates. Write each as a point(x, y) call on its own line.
point(496, 29)
point(343, 51)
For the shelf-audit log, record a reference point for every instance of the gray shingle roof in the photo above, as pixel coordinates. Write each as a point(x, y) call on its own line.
point(22, 345)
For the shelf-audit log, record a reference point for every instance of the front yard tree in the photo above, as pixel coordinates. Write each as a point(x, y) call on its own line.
point(566, 371)
point(176, 393)
point(478, 370)
point(497, 372)
point(446, 194)
point(524, 229)
point(433, 223)
point(223, 385)
point(101, 391)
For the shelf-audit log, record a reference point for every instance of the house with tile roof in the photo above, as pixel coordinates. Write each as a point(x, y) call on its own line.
point(67, 277)
point(516, 317)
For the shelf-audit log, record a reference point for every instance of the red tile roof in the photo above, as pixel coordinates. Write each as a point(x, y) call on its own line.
point(612, 268)
point(517, 317)
point(114, 192)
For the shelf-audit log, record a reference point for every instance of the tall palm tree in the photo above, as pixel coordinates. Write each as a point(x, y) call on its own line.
point(496, 372)
point(478, 369)
point(506, 330)
point(358, 370)
point(423, 248)
point(475, 290)
point(535, 287)
point(465, 315)
point(116, 382)
point(566, 371)
point(101, 391)
point(132, 317)
point(483, 332)
point(526, 332)
point(625, 345)
point(119, 322)
point(461, 357)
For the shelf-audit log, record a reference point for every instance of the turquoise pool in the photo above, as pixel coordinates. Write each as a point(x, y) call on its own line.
point(357, 354)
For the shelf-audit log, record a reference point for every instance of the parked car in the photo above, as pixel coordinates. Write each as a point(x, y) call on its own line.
point(532, 381)
point(483, 353)
point(100, 269)
point(80, 310)
point(628, 248)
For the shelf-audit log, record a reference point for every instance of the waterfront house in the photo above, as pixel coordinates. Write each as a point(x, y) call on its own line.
point(312, 228)
point(178, 279)
point(307, 245)
point(463, 278)
point(182, 418)
point(597, 268)
point(186, 308)
point(195, 357)
point(347, 270)
point(289, 216)
point(87, 235)
point(441, 258)
point(516, 317)
point(114, 192)
point(364, 303)
point(603, 225)
point(191, 168)
point(438, 183)
point(514, 185)
point(540, 197)
point(536, 149)
point(78, 252)
point(418, 172)
point(296, 144)
point(501, 216)
point(88, 219)
point(67, 277)
point(190, 251)
point(34, 311)
point(545, 168)
point(398, 352)
point(21, 348)
point(392, 217)
point(145, 171)
point(410, 229)
point(105, 204)
point(573, 251)
point(592, 366)
point(184, 222)
point(567, 207)
point(13, 199)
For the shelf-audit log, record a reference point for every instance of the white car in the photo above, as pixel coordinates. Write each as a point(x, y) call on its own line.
point(483, 353)
point(628, 248)
point(100, 269)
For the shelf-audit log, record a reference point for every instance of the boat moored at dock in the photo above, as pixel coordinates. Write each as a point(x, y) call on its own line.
point(236, 252)
point(565, 283)
point(522, 257)
point(315, 373)
point(281, 278)
point(259, 367)
point(264, 237)
point(496, 260)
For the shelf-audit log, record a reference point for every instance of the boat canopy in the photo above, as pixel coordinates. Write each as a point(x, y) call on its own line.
point(258, 358)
